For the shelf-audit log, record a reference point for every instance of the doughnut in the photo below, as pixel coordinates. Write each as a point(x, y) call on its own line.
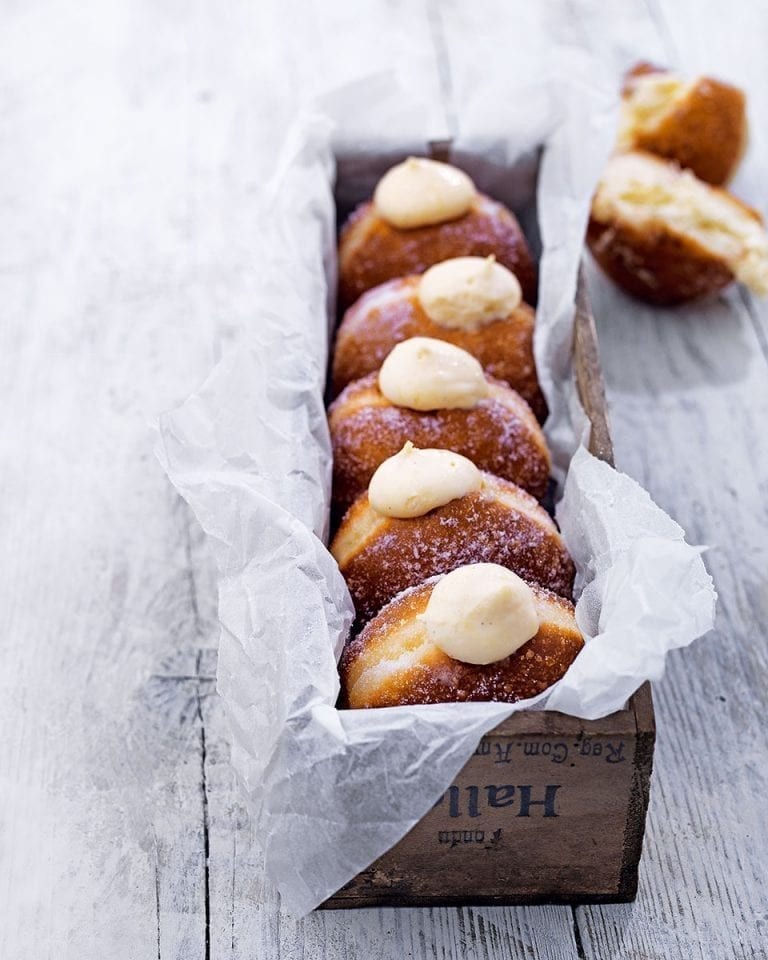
point(424, 212)
point(393, 312)
point(499, 434)
point(666, 237)
point(700, 124)
point(494, 521)
point(395, 661)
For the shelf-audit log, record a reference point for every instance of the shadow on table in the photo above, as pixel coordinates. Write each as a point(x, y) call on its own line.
point(650, 350)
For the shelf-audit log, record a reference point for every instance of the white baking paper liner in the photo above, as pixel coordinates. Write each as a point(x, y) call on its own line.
point(331, 790)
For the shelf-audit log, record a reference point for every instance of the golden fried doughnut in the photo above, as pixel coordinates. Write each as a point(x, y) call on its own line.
point(500, 435)
point(700, 124)
point(379, 556)
point(393, 661)
point(372, 251)
point(666, 237)
point(392, 312)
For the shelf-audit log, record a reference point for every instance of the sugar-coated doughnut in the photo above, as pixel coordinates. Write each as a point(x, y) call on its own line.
point(701, 123)
point(392, 312)
point(393, 661)
point(372, 251)
point(380, 556)
point(499, 434)
point(666, 237)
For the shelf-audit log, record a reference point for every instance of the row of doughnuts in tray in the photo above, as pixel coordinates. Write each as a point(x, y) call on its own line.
point(461, 581)
point(662, 226)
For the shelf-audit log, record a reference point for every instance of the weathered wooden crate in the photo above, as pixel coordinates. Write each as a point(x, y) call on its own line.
point(550, 808)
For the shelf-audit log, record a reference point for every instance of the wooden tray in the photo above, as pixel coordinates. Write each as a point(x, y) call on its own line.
point(550, 808)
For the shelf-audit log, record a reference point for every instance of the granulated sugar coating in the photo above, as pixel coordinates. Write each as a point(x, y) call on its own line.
point(371, 251)
point(393, 662)
point(391, 313)
point(500, 435)
point(499, 524)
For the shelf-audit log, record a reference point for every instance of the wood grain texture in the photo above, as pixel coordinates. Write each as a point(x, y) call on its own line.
point(134, 138)
point(110, 258)
point(688, 393)
point(482, 843)
point(101, 279)
point(707, 379)
point(589, 375)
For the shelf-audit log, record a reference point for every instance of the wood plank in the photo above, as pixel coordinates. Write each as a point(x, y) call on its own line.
point(589, 375)
point(688, 394)
point(138, 238)
point(549, 818)
point(258, 926)
point(676, 381)
point(107, 265)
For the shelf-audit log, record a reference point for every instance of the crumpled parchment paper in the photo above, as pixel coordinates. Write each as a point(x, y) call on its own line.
point(332, 790)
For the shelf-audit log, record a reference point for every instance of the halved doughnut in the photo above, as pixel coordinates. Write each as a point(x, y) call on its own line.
point(666, 237)
point(701, 124)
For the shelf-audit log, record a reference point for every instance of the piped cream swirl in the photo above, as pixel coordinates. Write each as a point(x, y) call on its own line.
point(467, 292)
point(427, 374)
point(413, 481)
point(420, 192)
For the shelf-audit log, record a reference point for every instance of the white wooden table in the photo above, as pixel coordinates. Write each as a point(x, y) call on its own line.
point(133, 136)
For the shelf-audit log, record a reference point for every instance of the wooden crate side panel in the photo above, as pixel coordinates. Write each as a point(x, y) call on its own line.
point(642, 704)
point(551, 724)
point(534, 818)
point(589, 376)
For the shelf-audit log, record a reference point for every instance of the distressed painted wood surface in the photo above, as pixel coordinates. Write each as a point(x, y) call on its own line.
point(133, 137)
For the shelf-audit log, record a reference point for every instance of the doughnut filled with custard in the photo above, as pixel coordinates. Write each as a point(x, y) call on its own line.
point(473, 303)
point(423, 212)
point(429, 511)
point(518, 639)
point(666, 237)
point(700, 124)
point(435, 395)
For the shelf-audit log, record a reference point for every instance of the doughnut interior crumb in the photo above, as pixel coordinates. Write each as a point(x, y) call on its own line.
point(352, 537)
point(408, 646)
point(649, 195)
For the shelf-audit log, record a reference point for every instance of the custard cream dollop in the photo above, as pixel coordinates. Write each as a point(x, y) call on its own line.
point(480, 613)
point(467, 292)
point(421, 192)
point(427, 374)
point(414, 481)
